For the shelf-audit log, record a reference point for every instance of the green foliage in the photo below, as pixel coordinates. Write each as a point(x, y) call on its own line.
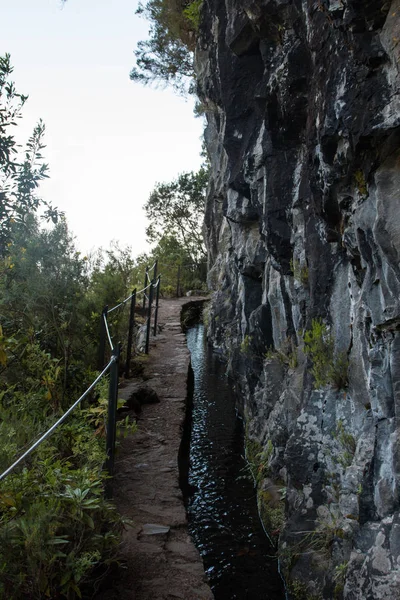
point(348, 443)
point(245, 345)
point(329, 527)
point(113, 276)
point(361, 183)
point(300, 272)
point(270, 500)
point(176, 210)
point(175, 213)
point(97, 412)
point(54, 523)
point(319, 346)
point(43, 301)
point(272, 512)
point(55, 526)
point(299, 591)
point(340, 572)
point(192, 13)
point(258, 458)
point(167, 56)
point(19, 178)
point(340, 578)
point(339, 374)
point(286, 355)
point(172, 258)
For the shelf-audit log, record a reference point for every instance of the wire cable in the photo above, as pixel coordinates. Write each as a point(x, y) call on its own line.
point(128, 298)
point(89, 389)
point(57, 423)
point(120, 304)
point(144, 289)
point(108, 331)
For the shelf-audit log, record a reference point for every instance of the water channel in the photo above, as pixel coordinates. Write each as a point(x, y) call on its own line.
point(220, 494)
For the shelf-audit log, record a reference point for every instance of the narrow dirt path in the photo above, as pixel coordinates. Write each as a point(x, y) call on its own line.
point(161, 560)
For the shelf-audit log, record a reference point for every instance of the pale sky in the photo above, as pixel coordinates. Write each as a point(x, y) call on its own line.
point(109, 140)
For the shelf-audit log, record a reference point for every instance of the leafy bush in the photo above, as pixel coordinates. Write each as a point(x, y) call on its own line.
point(55, 525)
point(300, 272)
point(192, 13)
point(327, 368)
point(245, 345)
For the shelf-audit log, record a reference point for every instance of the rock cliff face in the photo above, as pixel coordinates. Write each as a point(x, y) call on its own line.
point(302, 100)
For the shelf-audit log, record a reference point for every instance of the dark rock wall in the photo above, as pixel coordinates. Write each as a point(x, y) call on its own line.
point(302, 100)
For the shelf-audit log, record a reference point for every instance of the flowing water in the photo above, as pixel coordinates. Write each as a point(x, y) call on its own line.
point(220, 494)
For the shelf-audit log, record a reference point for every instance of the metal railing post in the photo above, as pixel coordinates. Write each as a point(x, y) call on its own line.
point(155, 270)
point(102, 342)
point(145, 286)
point(130, 334)
point(178, 283)
point(156, 308)
point(149, 319)
point(112, 417)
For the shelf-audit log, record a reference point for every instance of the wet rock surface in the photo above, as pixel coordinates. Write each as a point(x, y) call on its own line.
point(302, 100)
point(160, 561)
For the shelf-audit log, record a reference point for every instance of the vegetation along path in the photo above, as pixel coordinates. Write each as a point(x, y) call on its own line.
point(160, 558)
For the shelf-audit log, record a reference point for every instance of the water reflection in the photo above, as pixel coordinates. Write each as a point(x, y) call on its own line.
point(222, 510)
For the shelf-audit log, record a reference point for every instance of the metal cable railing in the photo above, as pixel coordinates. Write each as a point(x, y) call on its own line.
point(152, 287)
point(57, 423)
point(128, 298)
point(112, 366)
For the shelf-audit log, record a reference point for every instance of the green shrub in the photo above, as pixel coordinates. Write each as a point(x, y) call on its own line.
point(258, 458)
point(245, 345)
point(286, 355)
point(361, 183)
point(299, 591)
point(339, 371)
point(300, 273)
point(348, 443)
point(55, 525)
point(272, 512)
point(327, 369)
point(192, 13)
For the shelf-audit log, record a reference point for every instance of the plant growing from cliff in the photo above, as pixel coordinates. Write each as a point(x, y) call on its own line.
point(339, 371)
point(361, 184)
point(318, 345)
point(348, 443)
point(258, 458)
point(329, 527)
point(327, 368)
point(286, 355)
point(300, 272)
point(339, 578)
point(167, 56)
point(192, 13)
point(299, 591)
point(272, 512)
point(245, 345)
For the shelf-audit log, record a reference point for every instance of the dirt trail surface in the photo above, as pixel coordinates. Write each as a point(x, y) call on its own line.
point(161, 560)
